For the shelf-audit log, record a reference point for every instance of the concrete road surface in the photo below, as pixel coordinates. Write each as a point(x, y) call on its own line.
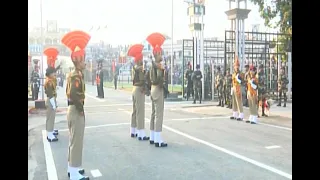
point(200, 147)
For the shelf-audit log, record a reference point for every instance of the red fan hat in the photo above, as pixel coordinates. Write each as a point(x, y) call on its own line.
point(136, 52)
point(76, 41)
point(156, 40)
point(253, 68)
point(51, 54)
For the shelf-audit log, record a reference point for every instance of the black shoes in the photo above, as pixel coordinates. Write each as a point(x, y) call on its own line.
point(81, 171)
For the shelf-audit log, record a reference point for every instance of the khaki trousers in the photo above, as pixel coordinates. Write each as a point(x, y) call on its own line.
point(138, 99)
point(253, 106)
point(237, 105)
point(50, 116)
point(157, 99)
point(76, 124)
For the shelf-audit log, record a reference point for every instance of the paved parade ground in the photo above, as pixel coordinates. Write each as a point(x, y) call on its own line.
point(200, 146)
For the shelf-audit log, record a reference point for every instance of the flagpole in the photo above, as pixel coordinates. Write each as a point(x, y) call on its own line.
point(41, 51)
point(171, 46)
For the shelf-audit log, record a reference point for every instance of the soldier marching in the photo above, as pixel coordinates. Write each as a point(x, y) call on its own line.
point(138, 94)
point(157, 78)
point(252, 86)
point(76, 41)
point(237, 78)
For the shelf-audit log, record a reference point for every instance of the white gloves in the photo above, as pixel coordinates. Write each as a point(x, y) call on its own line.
point(253, 85)
point(53, 103)
point(238, 79)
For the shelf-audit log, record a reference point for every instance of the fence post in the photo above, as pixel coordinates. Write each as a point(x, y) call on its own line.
point(289, 75)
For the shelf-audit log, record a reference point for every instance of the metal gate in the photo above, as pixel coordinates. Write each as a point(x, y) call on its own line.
point(264, 48)
point(213, 54)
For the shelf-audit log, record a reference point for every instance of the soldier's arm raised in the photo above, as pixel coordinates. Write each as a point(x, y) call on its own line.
point(76, 93)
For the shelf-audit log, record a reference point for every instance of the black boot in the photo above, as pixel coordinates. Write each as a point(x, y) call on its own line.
point(161, 144)
point(285, 100)
point(280, 94)
point(219, 103)
point(134, 135)
point(143, 138)
point(81, 171)
point(222, 104)
point(194, 102)
point(263, 114)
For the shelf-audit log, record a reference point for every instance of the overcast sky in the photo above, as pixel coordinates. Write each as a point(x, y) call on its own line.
point(130, 21)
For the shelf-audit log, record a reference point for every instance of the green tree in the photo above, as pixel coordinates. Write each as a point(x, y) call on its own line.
point(276, 14)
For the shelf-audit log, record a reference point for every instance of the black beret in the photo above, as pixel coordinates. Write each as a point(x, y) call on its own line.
point(50, 70)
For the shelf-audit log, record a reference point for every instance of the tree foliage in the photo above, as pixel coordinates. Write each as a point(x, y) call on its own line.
point(276, 14)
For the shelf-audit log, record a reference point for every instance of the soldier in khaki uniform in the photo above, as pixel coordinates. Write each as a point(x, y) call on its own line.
point(219, 86)
point(50, 90)
point(252, 95)
point(282, 87)
point(157, 78)
point(237, 78)
point(138, 93)
point(76, 41)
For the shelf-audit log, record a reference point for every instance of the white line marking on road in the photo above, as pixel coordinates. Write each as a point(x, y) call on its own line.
point(256, 163)
point(90, 96)
point(272, 147)
point(51, 167)
point(120, 109)
point(96, 173)
point(199, 118)
point(129, 113)
point(97, 126)
point(104, 105)
point(275, 126)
